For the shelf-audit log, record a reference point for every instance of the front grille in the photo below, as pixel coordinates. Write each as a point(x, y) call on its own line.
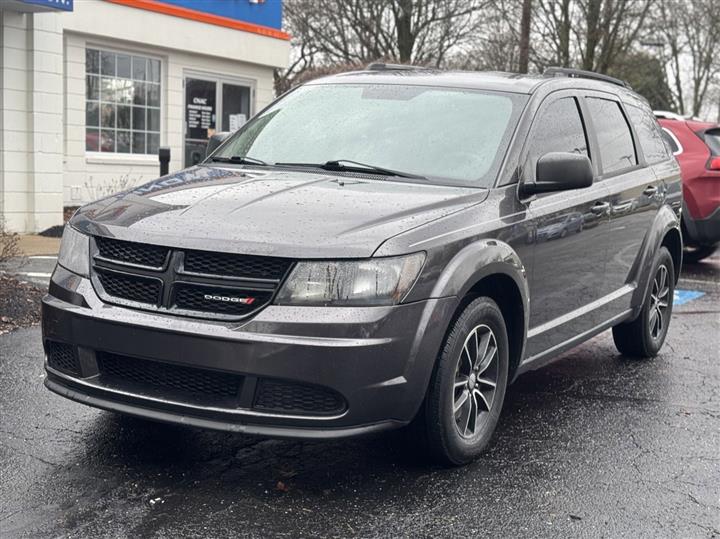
point(232, 301)
point(169, 380)
point(289, 397)
point(62, 357)
point(153, 256)
point(185, 282)
point(130, 287)
point(252, 267)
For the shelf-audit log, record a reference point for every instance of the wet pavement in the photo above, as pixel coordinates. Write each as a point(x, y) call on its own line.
point(595, 445)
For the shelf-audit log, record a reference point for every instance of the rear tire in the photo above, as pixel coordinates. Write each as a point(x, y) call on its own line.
point(467, 389)
point(693, 254)
point(644, 336)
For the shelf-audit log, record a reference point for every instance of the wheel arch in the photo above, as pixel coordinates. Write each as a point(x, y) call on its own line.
point(664, 232)
point(493, 269)
point(673, 241)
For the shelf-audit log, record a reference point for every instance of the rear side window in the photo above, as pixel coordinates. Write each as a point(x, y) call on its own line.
point(648, 133)
point(617, 151)
point(670, 142)
point(558, 128)
point(712, 139)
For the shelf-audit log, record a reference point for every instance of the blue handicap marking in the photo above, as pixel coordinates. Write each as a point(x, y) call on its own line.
point(682, 297)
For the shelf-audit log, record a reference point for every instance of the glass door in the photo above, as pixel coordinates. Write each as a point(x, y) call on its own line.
point(200, 115)
point(210, 104)
point(235, 106)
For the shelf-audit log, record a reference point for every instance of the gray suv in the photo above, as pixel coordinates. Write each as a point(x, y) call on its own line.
point(374, 250)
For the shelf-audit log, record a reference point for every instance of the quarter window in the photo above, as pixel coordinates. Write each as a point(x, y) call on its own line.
point(617, 151)
point(648, 133)
point(122, 102)
point(671, 142)
point(558, 129)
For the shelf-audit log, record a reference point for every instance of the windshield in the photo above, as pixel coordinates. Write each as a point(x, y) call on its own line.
point(447, 135)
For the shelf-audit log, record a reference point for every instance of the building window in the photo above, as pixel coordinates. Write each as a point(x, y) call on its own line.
point(122, 103)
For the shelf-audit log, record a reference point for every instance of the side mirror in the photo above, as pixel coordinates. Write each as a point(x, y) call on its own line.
point(559, 171)
point(216, 140)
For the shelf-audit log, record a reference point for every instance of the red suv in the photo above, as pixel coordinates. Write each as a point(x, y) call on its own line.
point(696, 145)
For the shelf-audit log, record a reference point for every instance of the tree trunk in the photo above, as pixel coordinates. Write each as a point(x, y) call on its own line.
point(564, 34)
point(524, 59)
point(593, 33)
point(405, 37)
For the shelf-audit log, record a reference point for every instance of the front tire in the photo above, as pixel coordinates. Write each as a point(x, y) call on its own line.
point(467, 389)
point(644, 336)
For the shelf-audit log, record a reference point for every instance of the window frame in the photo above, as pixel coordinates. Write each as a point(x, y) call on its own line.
point(583, 96)
point(92, 156)
point(528, 173)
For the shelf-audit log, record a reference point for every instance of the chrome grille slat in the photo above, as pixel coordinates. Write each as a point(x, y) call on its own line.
point(212, 285)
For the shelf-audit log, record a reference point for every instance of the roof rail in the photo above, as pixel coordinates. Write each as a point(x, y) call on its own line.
point(381, 66)
point(582, 74)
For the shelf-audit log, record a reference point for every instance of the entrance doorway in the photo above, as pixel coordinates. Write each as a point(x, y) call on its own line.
point(212, 104)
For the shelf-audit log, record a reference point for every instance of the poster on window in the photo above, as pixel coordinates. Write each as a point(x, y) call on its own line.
point(200, 109)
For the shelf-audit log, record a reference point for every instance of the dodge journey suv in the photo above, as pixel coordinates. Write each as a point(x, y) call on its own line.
point(374, 250)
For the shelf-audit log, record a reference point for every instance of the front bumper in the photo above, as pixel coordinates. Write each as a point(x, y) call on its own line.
point(377, 359)
point(702, 231)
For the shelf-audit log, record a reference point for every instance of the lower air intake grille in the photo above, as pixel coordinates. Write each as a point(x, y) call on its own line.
point(130, 287)
point(301, 399)
point(62, 357)
point(166, 379)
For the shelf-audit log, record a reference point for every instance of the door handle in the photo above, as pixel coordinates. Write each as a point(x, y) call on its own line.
point(600, 208)
point(650, 190)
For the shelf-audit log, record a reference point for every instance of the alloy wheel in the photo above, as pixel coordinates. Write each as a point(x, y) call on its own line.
point(659, 302)
point(476, 377)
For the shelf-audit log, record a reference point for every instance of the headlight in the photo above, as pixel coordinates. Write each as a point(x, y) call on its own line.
point(374, 281)
point(75, 252)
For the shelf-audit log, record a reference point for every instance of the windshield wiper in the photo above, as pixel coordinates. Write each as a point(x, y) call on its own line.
point(239, 159)
point(348, 165)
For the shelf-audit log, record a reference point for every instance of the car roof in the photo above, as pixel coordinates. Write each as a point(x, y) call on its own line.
point(477, 80)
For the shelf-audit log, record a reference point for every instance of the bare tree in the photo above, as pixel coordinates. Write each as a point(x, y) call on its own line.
point(691, 35)
point(591, 34)
point(354, 32)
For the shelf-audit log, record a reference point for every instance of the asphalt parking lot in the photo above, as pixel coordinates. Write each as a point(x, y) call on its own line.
point(595, 445)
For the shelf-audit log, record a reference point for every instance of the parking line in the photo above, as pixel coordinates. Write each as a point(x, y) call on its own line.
point(43, 257)
point(682, 297)
point(35, 274)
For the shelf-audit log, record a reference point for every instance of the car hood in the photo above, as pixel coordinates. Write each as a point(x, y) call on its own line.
point(272, 212)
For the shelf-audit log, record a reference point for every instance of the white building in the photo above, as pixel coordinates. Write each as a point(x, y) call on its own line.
point(90, 89)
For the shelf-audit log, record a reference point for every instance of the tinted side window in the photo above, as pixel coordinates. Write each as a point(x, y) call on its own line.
point(558, 128)
point(648, 133)
point(712, 139)
point(613, 134)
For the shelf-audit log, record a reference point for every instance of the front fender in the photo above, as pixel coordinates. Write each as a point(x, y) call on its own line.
point(476, 261)
point(665, 221)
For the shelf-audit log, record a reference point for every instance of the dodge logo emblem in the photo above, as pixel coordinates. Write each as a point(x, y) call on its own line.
point(229, 299)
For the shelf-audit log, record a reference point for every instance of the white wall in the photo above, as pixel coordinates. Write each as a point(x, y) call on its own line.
point(31, 122)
